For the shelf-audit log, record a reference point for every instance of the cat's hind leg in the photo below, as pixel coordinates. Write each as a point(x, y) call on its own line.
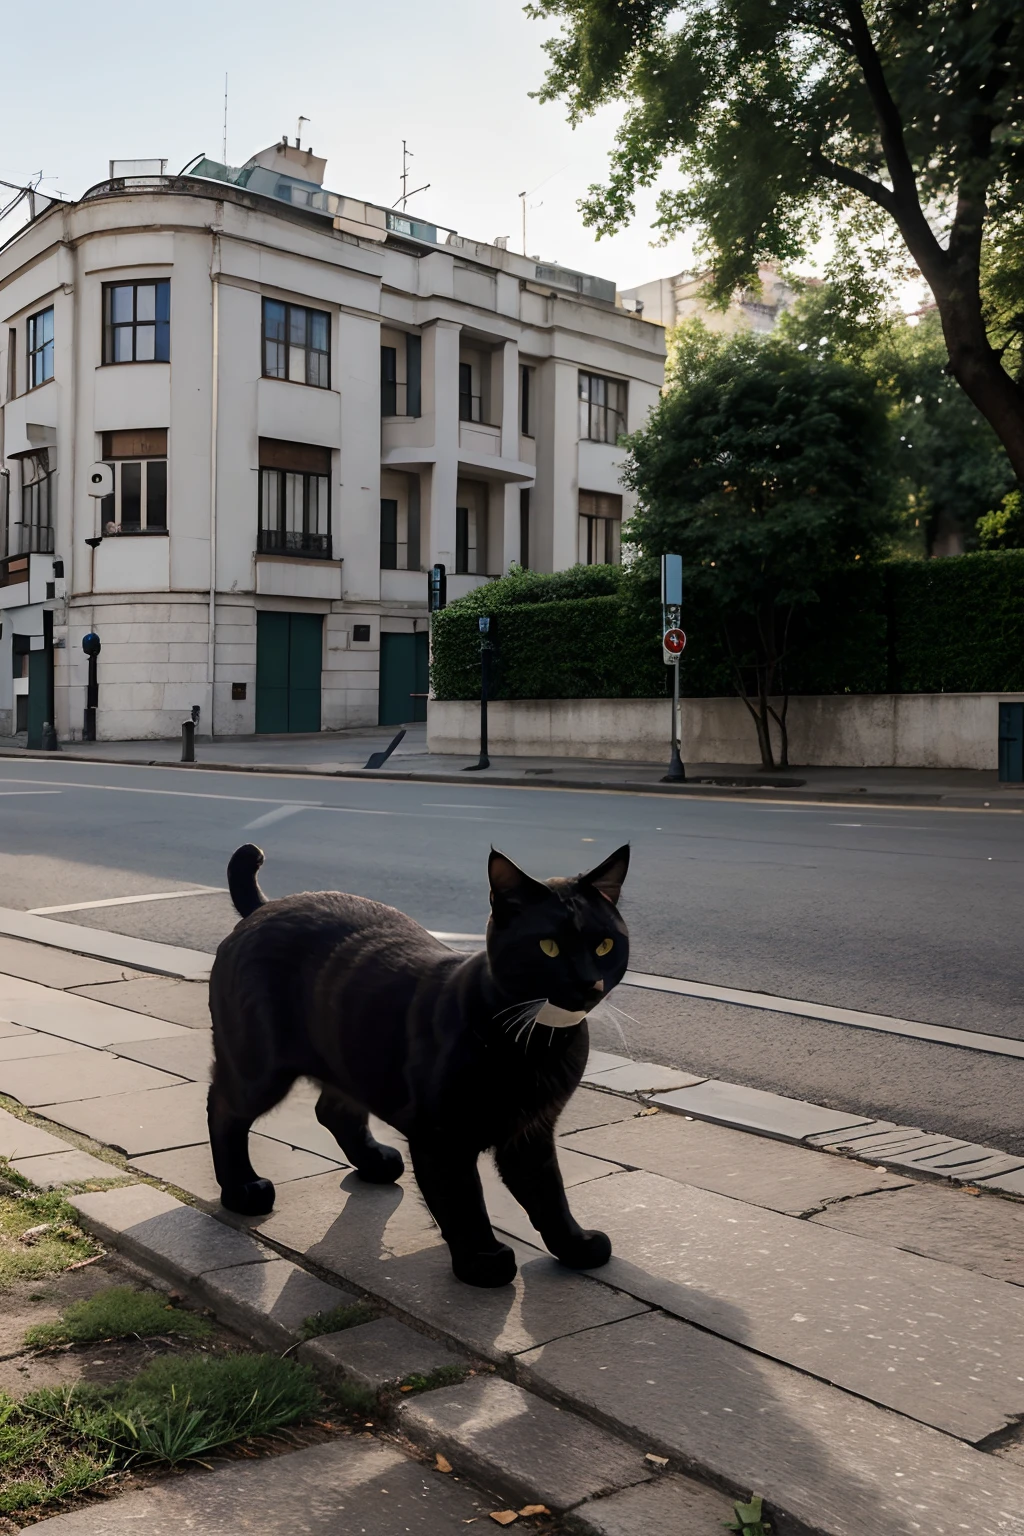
point(230, 1116)
point(371, 1159)
point(529, 1167)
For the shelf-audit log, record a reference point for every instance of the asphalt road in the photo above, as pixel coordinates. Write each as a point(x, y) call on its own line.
point(909, 913)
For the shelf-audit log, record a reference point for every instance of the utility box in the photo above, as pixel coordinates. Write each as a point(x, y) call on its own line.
point(1011, 743)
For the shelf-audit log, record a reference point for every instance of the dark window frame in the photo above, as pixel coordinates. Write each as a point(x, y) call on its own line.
point(389, 385)
point(467, 400)
point(150, 462)
point(36, 350)
point(389, 544)
point(34, 533)
point(273, 537)
point(525, 392)
point(286, 343)
point(160, 324)
point(605, 423)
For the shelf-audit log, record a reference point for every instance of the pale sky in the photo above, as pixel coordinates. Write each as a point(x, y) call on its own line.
point(88, 83)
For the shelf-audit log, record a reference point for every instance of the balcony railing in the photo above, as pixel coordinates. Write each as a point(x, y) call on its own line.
point(280, 541)
point(30, 539)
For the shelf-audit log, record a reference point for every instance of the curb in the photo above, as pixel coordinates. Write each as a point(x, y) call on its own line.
point(694, 791)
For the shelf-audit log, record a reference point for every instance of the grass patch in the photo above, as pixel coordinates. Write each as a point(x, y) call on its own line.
point(118, 1313)
point(60, 1242)
point(443, 1376)
point(750, 1519)
point(37, 1466)
point(338, 1319)
point(351, 1397)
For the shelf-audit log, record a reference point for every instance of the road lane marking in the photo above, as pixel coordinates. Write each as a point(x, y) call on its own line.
point(936, 1034)
point(29, 791)
point(269, 817)
point(126, 901)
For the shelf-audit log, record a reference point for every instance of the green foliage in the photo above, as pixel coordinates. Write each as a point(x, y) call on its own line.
point(750, 1519)
point(338, 1319)
point(118, 1313)
point(62, 1243)
point(1004, 528)
point(899, 128)
point(441, 1376)
point(38, 1466)
point(179, 1409)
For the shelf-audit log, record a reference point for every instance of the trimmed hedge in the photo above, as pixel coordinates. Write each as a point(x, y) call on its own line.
point(910, 626)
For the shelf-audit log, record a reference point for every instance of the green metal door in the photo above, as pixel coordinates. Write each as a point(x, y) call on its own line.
point(404, 673)
point(37, 695)
point(288, 665)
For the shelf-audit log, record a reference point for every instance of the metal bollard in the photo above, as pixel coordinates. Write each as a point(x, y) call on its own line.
point(188, 741)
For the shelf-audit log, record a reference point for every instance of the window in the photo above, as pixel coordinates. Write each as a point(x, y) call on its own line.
point(389, 381)
point(296, 344)
point(602, 408)
point(471, 514)
point(400, 374)
point(400, 523)
point(600, 529)
point(137, 322)
point(524, 529)
point(34, 534)
point(295, 499)
point(524, 401)
point(469, 403)
point(139, 502)
point(40, 347)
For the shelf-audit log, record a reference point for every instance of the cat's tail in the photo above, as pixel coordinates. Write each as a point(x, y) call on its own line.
point(243, 868)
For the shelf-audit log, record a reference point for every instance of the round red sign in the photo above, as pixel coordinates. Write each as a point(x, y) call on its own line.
point(674, 641)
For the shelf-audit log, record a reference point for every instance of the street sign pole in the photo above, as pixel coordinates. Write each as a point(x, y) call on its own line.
point(673, 641)
point(485, 676)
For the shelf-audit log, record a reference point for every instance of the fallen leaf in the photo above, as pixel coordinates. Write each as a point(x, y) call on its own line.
point(503, 1516)
point(534, 1509)
point(442, 1463)
point(659, 1461)
point(407, 1389)
point(969, 1189)
point(652, 1109)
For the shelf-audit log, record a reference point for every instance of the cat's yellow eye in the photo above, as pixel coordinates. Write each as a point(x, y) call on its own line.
point(549, 947)
point(606, 946)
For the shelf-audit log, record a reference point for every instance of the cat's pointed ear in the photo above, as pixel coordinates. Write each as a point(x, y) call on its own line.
point(609, 877)
point(511, 885)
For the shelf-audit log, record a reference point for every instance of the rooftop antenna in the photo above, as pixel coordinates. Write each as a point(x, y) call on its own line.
point(298, 131)
point(407, 155)
point(524, 195)
point(224, 143)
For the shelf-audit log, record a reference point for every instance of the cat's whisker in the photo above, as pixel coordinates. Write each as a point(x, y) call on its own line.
point(513, 1007)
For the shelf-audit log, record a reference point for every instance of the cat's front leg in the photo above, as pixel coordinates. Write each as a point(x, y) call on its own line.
point(446, 1173)
point(529, 1167)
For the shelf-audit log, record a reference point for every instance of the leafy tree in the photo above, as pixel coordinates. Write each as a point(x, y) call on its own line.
point(884, 119)
point(1004, 528)
point(768, 470)
point(949, 461)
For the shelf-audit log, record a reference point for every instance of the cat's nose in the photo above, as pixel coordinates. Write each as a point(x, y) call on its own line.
point(598, 986)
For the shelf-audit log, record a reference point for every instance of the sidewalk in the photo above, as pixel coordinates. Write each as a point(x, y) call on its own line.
point(841, 1335)
point(345, 753)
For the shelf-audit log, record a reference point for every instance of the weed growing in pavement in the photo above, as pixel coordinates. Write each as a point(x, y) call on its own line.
point(38, 1466)
point(338, 1319)
point(443, 1376)
point(351, 1397)
point(750, 1520)
point(118, 1313)
point(39, 1231)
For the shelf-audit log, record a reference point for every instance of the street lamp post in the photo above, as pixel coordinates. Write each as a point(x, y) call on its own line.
point(485, 677)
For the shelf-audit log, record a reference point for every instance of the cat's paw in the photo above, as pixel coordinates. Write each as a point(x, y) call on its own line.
point(253, 1199)
point(587, 1250)
point(382, 1165)
point(497, 1267)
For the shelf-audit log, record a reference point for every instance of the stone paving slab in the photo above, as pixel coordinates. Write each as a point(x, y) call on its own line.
point(159, 1232)
point(20, 1139)
point(378, 1354)
point(604, 1061)
point(850, 1135)
point(1012, 1183)
point(383, 1239)
point(294, 1123)
point(270, 1301)
point(754, 1110)
point(344, 1487)
point(966, 1163)
point(191, 1168)
point(56, 967)
point(81, 1020)
point(183, 1002)
point(837, 1464)
point(18, 1043)
point(120, 948)
point(188, 1055)
point(940, 1223)
point(940, 1344)
point(136, 1123)
point(520, 1445)
point(75, 1075)
point(670, 1505)
point(641, 1077)
point(789, 1179)
point(69, 1167)
point(589, 1108)
point(7, 1028)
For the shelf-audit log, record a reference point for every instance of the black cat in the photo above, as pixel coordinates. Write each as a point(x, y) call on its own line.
point(458, 1052)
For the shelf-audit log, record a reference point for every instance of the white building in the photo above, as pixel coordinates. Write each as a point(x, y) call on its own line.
point(304, 402)
point(669, 300)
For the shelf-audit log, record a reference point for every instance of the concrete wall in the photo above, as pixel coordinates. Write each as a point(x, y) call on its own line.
point(884, 730)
